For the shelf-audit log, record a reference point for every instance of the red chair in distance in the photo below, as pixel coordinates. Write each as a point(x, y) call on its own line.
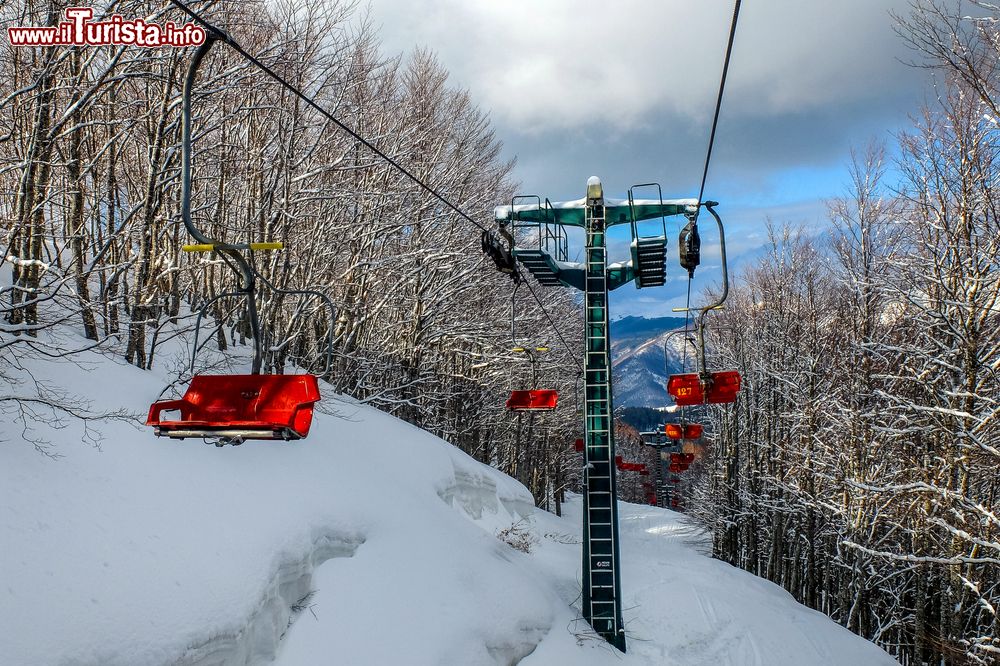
point(683, 430)
point(630, 466)
point(535, 400)
point(718, 388)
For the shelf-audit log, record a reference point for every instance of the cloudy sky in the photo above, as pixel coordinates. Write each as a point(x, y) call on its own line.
point(626, 90)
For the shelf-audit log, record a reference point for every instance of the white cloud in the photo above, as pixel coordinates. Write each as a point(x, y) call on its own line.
point(571, 63)
point(626, 89)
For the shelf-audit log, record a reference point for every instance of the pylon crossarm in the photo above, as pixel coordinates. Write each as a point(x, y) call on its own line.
point(573, 213)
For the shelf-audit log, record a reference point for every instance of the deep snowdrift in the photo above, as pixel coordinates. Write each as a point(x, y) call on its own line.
point(149, 551)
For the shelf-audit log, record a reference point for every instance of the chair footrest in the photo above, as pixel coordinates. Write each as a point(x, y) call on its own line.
point(183, 431)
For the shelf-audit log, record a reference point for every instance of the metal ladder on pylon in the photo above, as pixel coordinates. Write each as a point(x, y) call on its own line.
point(601, 573)
point(662, 485)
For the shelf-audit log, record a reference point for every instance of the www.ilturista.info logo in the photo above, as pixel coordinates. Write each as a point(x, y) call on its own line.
point(79, 30)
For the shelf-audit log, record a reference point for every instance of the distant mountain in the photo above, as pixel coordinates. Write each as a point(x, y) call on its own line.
point(640, 366)
point(628, 327)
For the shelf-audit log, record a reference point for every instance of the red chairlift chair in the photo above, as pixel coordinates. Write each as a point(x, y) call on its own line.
point(717, 388)
point(240, 406)
point(533, 400)
point(234, 408)
point(703, 387)
point(681, 458)
point(630, 466)
point(683, 430)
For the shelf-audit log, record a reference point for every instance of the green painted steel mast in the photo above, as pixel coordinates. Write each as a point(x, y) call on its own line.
point(595, 277)
point(601, 573)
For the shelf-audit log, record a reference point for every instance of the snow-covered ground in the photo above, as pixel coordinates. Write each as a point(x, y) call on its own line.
point(371, 542)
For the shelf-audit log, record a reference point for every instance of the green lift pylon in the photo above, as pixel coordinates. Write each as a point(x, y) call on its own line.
point(661, 445)
point(595, 277)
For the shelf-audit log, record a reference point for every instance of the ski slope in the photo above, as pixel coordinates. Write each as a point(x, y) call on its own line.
point(371, 542)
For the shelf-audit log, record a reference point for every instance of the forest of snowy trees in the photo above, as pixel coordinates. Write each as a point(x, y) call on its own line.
point(89, 206)
point(860, 468)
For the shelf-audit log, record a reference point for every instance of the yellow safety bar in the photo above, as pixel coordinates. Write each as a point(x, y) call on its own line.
point(209, 247)
point(717, 307)
point(268, 245)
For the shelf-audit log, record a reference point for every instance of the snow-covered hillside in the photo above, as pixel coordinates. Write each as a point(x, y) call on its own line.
point(371, 542)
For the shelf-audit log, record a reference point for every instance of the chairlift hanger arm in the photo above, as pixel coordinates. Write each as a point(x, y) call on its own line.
point(710, 207)
point(231, 253)
point(717, 305)
point(232, 256)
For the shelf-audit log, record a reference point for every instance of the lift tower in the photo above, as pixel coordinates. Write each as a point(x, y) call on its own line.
point(542, 223)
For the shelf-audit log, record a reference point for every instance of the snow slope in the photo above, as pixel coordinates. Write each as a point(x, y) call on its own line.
point(371, 542)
